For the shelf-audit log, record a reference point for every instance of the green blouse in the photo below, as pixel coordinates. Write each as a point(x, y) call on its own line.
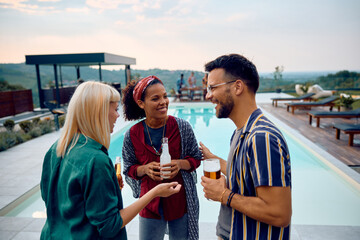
point(81, 194)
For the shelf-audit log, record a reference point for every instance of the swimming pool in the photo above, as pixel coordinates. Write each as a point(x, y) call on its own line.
point(321, 195)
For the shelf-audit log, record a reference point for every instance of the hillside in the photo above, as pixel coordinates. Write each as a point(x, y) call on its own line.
point(25, 75)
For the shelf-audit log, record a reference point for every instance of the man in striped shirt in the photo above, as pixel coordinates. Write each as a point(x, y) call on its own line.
point(255, 196)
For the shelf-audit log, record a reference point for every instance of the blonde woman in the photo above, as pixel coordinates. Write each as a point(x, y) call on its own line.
point(78, 183)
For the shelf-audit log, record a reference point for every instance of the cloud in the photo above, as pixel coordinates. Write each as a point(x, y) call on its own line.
point(127, 6)
point(237, 17)
point(140, 18)
point(12, 2)
point(78, 10)
point(150, 53)
point(109, 4)
point(140, 7)
point(120, 22)
point(48, 0)
point(20, 5)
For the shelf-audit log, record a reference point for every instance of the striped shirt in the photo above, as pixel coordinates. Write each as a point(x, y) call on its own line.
point(262, 159)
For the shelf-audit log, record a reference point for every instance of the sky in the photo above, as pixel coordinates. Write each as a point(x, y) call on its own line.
point(302, 35)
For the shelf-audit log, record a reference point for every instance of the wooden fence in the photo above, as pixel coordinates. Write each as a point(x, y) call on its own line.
point(15, 102)
point(65, 94)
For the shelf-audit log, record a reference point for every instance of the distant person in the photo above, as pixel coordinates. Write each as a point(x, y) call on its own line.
point(78, 183)
point(192, 84)
point(204, 85)
point(180, 83)
point(147, 100)
point(255, 196)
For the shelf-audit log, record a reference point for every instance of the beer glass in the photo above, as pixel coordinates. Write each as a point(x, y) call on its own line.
point(212, 168)
point(118, 171)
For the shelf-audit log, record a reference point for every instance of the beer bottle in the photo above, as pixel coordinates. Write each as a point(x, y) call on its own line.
point(165, 157)
point(118, 171)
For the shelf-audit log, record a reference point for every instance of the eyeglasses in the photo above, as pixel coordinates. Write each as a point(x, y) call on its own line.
point(211, 87)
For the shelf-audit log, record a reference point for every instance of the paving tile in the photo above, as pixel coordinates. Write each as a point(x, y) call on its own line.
point(317, 232)
point(294, 235)
point(24, 181)
point(133, 227)
point(133, 236)
point(27, 236)
point(10, 191)
point(36, 225)
point(356, 231)
point(5, 235)
point(207, 231)
point(6, 177)
point(14, 223)
point(5, 200)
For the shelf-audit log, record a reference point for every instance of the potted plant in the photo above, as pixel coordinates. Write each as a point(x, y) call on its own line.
point(346, 102)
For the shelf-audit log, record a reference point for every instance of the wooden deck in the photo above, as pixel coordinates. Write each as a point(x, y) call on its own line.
point(323, 136)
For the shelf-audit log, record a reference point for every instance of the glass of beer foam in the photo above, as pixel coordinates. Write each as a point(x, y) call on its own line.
point(212, 168)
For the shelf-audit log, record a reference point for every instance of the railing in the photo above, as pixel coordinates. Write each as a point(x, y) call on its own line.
point(15, 102)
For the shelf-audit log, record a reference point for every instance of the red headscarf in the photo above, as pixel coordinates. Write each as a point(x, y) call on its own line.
point(141, 85)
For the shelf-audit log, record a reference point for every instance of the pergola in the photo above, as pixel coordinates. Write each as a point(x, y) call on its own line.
point(76, 60)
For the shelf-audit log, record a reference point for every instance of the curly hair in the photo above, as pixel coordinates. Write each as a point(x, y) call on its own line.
point(236, 66)
point(131, 109)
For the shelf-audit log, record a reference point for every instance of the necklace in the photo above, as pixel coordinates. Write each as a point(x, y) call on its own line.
point(147, 129)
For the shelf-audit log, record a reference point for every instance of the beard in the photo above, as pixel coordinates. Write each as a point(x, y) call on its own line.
point(225, 108)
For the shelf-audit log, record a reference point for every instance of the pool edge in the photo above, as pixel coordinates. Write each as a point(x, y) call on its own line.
point(335, 164)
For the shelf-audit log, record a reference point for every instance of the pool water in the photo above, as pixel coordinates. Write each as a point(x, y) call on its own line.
point(320, 196)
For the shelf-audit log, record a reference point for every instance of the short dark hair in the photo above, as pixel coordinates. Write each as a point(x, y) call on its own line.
point(236, 66)
point(131, 109)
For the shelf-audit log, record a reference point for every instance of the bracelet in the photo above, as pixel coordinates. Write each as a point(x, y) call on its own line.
point(230, 198)
point(222, 195)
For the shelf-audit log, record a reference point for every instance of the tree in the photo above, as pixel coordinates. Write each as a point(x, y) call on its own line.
point(278, 77)
point(5, 86)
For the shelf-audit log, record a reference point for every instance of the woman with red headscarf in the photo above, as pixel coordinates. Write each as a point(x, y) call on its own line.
point(141, 155)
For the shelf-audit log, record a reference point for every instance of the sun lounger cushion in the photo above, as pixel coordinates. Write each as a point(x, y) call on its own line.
point(320, 92)
point(355, 113)
point(347, 127)
point(321, 102)
point(305, 96)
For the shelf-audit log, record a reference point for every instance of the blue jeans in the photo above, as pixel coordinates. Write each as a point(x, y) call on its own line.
point(154, 229)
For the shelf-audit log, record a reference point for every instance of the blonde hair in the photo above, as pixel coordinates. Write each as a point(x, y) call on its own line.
point(88, 114)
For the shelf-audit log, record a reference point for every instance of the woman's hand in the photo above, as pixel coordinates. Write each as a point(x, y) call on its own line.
point(167, 189)
point(174, 168)
point(153, 171)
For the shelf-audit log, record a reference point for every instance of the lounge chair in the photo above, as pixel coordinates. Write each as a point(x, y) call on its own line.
point(305, 97)
point(329, 101)
point(323, 114)
point(350, 129)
